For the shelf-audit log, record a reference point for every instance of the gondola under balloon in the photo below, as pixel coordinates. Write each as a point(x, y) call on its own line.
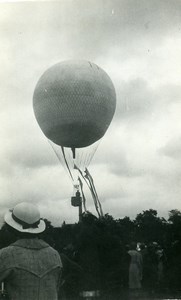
point(74, 103)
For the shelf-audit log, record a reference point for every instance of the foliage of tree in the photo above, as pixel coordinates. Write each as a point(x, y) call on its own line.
point(99, 245)
point(149, 227)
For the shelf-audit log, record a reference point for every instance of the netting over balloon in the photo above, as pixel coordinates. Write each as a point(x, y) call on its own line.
point(74, 103)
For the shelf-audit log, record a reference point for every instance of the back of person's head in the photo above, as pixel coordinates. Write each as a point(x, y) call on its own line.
point(142, 246)
point(24, 220)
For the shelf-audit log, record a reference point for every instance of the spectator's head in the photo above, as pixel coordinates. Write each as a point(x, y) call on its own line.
point(142, 246)
point(25, 219)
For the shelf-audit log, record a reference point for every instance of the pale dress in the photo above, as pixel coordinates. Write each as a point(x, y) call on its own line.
point(135, 270)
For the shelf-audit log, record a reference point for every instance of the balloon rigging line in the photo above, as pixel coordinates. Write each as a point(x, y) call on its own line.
point(86, 161)
point(87, 178)
point(82, 192)
point(88, 186)
point(95, 199)
point(90, 179)
point(63, 152)
point(90, 155)
point(61, 161)
point(57, 155)
point(81, 159)
point(88, 175)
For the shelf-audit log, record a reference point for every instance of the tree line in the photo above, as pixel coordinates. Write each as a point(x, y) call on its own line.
point(99, 246)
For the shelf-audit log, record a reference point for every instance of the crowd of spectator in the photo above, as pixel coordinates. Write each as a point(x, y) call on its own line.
point(101, 247)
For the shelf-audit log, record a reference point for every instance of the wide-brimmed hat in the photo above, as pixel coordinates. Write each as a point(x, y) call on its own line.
point(25, 217)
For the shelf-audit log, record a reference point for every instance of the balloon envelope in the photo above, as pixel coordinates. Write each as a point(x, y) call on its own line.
point(74, 103)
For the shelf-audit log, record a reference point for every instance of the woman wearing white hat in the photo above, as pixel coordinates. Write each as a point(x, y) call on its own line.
point(30, 268)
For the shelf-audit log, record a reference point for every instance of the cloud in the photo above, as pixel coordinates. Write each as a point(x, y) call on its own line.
point(41, 187)
point(172, 149)
point(135, 99)
point(22, 140)
point(138, 44)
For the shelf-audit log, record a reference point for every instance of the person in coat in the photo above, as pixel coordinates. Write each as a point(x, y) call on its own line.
point(29, 268)
point(135, 268)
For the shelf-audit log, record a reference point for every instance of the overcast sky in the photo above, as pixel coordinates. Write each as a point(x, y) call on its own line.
point(138, 43)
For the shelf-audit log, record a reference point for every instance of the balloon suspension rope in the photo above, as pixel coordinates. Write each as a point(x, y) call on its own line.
point(73, 152)
point(87, 178)
point(90, 183)
point(64, 157)
point(93, 189)
point(63, 152)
